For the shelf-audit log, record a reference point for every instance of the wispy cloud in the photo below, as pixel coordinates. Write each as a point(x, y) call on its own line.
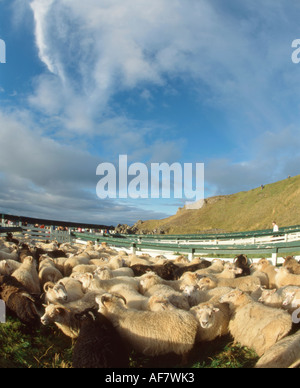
point(117, 72)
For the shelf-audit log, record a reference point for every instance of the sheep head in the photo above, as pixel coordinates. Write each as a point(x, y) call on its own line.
point(234, 298)
point(108, 301)
point(54, 314)
point(160, 303)
point(206, 315)
point(206, 283)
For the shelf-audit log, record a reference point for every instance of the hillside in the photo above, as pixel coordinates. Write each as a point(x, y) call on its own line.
point(251, 210)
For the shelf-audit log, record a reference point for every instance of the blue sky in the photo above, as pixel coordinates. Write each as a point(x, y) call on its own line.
point(198, 81)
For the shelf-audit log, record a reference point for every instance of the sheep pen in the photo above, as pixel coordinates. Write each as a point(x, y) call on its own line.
point(23, 345)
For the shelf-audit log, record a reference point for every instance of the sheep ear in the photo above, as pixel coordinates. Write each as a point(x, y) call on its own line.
point(216, 309)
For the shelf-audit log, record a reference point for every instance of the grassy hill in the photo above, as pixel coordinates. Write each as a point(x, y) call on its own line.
point(251, 210)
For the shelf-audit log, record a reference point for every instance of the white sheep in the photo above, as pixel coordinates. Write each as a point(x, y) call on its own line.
point(63, 318)
point(73, 261)
point(196, 296)
point(284, 354)
point(28, 276)
point(253, 324)
point(91, 282)
point(134, 300)
point(9, 256)
point(216, 267)
point(278, 298)
point(285, 278)
point(213, 318)
point(48, 272)
point(229, 272)
point(73, 288)
point(84, 268)
point(245, 283)
point(55, 293)
point(107, 273)
point(264, 266)
point(7, 267)
point(291, 300)
point(151, 333)
point(151, 284)
point(159, 303)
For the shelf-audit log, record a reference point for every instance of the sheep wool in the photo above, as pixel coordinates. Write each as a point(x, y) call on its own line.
point(151, 333)
point(255, 325)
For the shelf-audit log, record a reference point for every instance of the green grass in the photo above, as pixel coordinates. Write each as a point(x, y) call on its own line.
point(247, 210)
point(47, 347)
point(23, 348)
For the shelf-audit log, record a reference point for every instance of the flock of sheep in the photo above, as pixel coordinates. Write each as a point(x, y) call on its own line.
point(111, 303)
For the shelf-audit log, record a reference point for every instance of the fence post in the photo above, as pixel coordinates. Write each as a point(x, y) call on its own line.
point(191, 255)
point(133, 250)
point(275, 257)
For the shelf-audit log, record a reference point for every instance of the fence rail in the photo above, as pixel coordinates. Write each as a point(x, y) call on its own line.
point(265, 242)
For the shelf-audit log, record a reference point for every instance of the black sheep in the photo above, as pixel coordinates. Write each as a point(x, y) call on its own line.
point(191, 268)
point(241, 261)
point(165, 271)
point(18, 300)
point(98, 345)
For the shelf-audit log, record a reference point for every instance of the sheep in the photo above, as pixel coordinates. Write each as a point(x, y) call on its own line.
point(284, 354)
point(246, 283)
point(28, 275)
point(213, 319)
point(55, 293)
point(59, 263)
point(191, 268)
point(165, 271)
point(84, 268)
point(148, 332)
point(71, 262)
point(48, 272)
point(272, 298)
point(196, 296)
point(264, 266)
point(159, 303)
point(9, 256)
point(150, 284)
point(278, 298)
point(73, 287)
point(107, 273)
point(285, 278)
point(291, 301)
point(241, 261)
point(230, 272)
point(98, 345)
point(93, 282)
point(18, 300)
point(7, 267)
point(134, 300)
point(188, 278)
point(292, 265)
point(217, 266)
point(254, 325)
point(63, 318)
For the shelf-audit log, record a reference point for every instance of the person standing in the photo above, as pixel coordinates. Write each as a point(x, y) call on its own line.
point(275, 227)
